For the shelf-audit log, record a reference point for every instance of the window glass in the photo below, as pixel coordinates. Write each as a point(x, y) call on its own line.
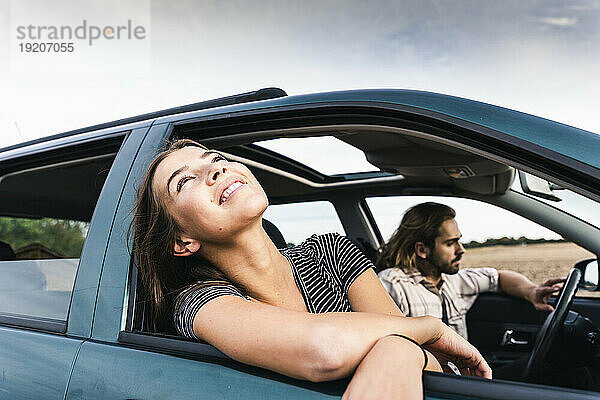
point(38, 263)
point(493, 237)
point(326, 154)
point(570, 202)
point(298, 221)
point(46, 203)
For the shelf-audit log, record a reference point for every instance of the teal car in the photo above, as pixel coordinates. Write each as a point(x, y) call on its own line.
point(74, 323)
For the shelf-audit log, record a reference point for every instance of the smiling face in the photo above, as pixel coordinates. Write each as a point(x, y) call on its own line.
point(211, 199)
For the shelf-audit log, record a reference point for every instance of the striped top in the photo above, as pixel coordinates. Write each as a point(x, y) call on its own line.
point(416, 296)
point(324, 267)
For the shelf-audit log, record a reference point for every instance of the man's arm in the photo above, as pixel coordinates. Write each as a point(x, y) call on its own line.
point(517, 285)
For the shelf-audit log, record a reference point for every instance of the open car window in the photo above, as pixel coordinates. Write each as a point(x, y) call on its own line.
point(38, 265)
point(46, 204)
point(493, 237)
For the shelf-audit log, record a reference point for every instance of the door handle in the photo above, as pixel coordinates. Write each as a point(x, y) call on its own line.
point(509, 340)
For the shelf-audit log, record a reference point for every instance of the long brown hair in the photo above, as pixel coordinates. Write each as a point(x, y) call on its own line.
point(420, 223)
point(154, 233)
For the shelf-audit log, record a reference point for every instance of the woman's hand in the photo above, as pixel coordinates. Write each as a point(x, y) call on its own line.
point(392, 369)
point(450, 346)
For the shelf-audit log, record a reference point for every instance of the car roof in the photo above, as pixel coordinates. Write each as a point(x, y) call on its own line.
point(570, 141)
point(139, 121)
point(573, 142)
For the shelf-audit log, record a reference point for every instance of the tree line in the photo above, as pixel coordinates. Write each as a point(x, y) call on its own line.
point(509, 241)
point(61, 236)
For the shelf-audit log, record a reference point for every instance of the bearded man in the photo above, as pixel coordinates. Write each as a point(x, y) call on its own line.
point(420, 270)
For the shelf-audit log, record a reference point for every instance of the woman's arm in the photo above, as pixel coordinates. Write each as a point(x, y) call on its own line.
point(367, 294)
point(317, 347)
point(391, 370)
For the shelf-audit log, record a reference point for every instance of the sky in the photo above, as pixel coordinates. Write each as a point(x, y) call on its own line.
point(540, 57)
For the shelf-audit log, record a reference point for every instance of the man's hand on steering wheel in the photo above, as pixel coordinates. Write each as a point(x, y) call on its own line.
point(538, 296)
point(551, 327)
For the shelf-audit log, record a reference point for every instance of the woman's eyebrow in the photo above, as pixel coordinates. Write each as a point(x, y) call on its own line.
point(209, 152)
point(174, 174)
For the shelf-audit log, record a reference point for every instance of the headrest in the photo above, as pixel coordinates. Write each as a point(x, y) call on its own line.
point(6, 252)
point(274, 234)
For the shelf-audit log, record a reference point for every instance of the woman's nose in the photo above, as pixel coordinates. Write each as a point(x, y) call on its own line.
point(214, 172)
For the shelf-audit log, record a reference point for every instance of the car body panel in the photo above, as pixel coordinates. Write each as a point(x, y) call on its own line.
point(67, 139)
point(35, 365)
point(85, 291)
point(113, 284)
point(543, 132)
point(116, 372)
point(112, 372)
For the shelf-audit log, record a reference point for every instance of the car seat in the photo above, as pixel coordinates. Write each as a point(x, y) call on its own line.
point(6, 252)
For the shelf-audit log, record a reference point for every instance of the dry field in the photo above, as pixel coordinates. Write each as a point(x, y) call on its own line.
point(538, 262)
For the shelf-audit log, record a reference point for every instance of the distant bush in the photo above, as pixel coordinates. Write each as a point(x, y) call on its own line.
point(509, 241)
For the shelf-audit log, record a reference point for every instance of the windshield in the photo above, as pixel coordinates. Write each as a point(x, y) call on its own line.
point(570, 202)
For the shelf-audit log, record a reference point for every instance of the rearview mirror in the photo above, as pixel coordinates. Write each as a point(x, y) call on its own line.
point(589, 268)
point(535, 186)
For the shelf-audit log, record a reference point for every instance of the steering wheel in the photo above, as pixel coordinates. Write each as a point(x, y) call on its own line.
point(551, 327)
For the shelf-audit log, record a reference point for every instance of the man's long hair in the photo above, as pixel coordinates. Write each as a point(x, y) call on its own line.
point(420, 223)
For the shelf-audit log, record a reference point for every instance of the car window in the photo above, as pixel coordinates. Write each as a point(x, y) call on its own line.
point(298, 221)
point(38, 263)
point(46, 203)
point(326, 154)
point(493, 237)
point(568, 201)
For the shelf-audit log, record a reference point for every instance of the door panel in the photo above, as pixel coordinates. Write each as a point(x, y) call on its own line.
point(113, 372)
point(34, 365)
point(493, 315)
point(104, 371)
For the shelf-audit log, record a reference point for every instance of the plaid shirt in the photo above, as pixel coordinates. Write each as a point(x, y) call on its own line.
point(416, 296)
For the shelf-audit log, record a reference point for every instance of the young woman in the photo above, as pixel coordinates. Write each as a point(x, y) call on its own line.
point(210, 267)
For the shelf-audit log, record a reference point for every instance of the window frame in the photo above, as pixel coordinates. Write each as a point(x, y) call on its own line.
point(434, 383)
point(58, 152)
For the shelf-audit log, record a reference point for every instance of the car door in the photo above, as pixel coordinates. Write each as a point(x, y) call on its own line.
point(119, 362)
point(49, 191)
point(504, 329)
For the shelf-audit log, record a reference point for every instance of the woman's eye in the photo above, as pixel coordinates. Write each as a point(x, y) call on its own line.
point(182, 182)
point(218, 157)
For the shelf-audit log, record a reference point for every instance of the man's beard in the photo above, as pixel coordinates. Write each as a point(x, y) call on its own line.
point(443, 266)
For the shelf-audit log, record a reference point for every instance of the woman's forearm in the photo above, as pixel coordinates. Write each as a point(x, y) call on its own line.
point(316, 347)
point(392, 369)
point(347, 337)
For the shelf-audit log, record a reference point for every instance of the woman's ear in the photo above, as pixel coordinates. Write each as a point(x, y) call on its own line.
point(421, 250)
point(185, 247)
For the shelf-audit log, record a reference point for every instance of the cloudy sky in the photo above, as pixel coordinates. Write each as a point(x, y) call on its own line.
point(540, 57)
